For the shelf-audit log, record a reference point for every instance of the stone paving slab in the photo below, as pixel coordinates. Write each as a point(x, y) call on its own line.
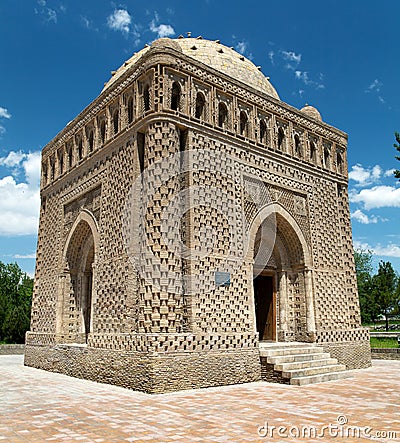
point(39, 406)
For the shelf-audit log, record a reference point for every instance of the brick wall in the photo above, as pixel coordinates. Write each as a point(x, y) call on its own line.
point(11, 349)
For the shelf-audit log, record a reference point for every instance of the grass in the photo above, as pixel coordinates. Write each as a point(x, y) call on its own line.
point(384, 342)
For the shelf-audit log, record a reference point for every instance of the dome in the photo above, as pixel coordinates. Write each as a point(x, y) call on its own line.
point(312, 112)
point(212, 54)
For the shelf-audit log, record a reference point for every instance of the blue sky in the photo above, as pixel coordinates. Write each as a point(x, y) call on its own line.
point(339, 56)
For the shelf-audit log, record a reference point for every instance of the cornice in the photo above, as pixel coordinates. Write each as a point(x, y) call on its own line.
point(175, 59)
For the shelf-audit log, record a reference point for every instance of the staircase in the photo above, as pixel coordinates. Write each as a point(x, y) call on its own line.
point(298, 363)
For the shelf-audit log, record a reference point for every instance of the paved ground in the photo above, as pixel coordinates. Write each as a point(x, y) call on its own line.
point(38, 406)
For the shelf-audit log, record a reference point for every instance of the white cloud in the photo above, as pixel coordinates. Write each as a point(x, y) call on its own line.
point(389, 173)
point(12, 159)
point(304, 77)
point(161, 30)
point(241, 47)
point(4, 113)
point(20, 201)
point(32, 255)
point(367, 176)
point(31, 166)
point(120, 20)
point(293, 58)
point(390, 250)
point(359, 245)
point(377, 197)
point(19, 207)
point(363, 218)
point(88, 23)
point(375, 88)
point(50, 15)
point(271, 56)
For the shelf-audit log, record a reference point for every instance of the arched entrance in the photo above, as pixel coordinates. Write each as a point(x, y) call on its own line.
point(75, 312)
point(282, 278)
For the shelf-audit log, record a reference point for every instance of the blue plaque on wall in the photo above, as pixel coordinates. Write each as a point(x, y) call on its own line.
point(222, 278)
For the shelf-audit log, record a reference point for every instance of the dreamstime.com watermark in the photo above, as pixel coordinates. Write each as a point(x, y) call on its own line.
point(340, 429)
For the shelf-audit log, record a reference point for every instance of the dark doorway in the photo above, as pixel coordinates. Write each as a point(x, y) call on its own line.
point(264, 306)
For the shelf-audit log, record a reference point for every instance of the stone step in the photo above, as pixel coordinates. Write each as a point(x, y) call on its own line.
point(289, 351)
point(302, 381)
point(287, 366)
point(305, 372)
point(299, 363)
point(279, 359)
point(291, 344)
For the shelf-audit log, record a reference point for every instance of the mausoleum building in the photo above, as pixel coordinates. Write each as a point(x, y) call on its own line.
point(188, 217)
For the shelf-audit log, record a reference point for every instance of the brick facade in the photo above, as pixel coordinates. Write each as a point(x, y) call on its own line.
point(163, 200)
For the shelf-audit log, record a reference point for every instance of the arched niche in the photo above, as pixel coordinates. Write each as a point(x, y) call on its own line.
point(76, 285)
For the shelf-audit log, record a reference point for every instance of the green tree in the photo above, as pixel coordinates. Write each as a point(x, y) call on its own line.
point(15, 303)
point(397, 146)
point(385, 290)
point(368, 305)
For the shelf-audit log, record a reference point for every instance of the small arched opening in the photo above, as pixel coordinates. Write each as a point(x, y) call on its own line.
point(281, 138)
point(263, 132)
point(60, 162)
point(339, 163)
point(130, 109)
point(222, 115)
point(52, 168)
point(146, 98)
point(243, 124)
point(175, 96)
point(116, 121)
point(297, 146)
point(200, 105)
point(103, 131)
point(326, 158)
point(313, 151)
point(80, 148)
point(91, 140)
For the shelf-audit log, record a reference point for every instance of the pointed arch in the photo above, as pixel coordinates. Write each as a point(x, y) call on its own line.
point(284, 221)
point(282, 265)
point(89, 218)
point(76, 279)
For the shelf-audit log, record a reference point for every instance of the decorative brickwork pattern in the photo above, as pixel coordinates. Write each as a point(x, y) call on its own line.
point(186, 215)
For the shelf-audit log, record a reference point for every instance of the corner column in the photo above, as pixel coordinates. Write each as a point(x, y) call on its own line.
point(310, 319)
point(283, 303)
